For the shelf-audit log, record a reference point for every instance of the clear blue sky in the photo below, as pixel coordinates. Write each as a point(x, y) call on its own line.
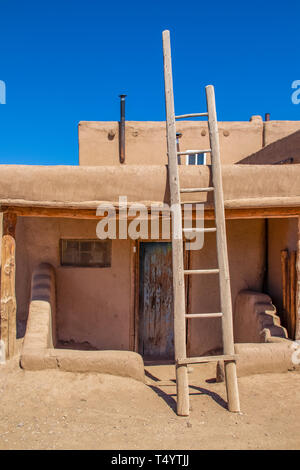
point(66, 61)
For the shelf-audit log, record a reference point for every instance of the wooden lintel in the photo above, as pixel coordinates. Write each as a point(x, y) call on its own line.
point(253, 213)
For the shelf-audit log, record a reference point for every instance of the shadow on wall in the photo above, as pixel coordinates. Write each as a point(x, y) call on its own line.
point(281, 152)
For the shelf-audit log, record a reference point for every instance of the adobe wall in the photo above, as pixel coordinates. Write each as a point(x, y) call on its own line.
point(246, 242)
point(93, 304)
point(275, 130)
point(282, 147)
point(145, 142)
point(282, 234)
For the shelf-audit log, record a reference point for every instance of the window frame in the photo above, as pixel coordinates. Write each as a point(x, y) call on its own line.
point(196, 154)
point(85, 240)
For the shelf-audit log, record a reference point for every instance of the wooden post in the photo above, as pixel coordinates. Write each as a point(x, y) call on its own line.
point(136, 297)
point(224, 277)
point(188, 290)
point(297, 332)
point(132, 294)
point(292, 287)
point(8, 294)
point(284, 257)
point(177, 242)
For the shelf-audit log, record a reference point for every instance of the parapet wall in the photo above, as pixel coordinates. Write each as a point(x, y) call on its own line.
point(145, 142)
point(283, 150)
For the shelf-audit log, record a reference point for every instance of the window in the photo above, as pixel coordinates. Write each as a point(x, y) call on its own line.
point(195, 158)
point(85, 253)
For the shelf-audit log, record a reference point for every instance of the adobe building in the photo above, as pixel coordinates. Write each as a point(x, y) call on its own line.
point(116, 295)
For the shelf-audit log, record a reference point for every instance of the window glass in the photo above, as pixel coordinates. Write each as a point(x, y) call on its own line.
point(196, 159)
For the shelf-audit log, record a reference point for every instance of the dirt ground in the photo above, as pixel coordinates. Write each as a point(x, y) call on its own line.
point(61, 410)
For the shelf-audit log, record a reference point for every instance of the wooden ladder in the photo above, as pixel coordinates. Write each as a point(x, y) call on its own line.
point(181, 359)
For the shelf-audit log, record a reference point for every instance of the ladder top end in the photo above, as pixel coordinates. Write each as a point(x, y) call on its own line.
point(166, 32)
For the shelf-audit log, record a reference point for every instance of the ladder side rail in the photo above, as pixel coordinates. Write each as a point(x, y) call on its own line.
point(224, 277)
point(177, 242)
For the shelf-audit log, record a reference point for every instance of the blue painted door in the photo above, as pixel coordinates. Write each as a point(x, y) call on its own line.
point(156, 335)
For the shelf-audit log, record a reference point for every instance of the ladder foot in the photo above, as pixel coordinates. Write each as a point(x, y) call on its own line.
point(232, 387)
point(183, 399)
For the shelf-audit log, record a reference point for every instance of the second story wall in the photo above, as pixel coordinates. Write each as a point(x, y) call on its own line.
point(145, 142)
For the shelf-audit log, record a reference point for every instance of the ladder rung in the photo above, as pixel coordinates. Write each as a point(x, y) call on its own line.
point(193, 152)
point(184, 116)
point(201, 271)
point(198, 360)
point(205, 229)
point(204, 315)
point(190, 202)
point(197, 190)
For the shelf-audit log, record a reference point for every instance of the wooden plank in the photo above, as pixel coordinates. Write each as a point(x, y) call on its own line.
point(156, 302)
point(224, 277)
point(177, 243)
point(246, 213)
point(297, 313)
point(199, 360)
point(8, 293)
point(255, 213)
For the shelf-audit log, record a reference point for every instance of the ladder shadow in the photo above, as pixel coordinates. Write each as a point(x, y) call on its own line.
point(168, 398)
point(215, 396)
point(171, 402)
point(154, 378)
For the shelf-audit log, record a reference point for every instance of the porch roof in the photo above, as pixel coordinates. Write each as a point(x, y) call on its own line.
point(85, 187)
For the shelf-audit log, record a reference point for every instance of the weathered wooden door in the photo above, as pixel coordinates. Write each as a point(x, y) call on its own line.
point(156, 340)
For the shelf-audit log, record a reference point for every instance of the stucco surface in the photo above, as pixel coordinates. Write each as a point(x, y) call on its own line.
point(264, 357)
point(93, 304)
point(255, 319)
point(38, 352)
point(86, 187)
point(282, 235)
point(261, 358)
point(145, 142)
point(281, 150)
point(245, 240)
point(274, 130)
